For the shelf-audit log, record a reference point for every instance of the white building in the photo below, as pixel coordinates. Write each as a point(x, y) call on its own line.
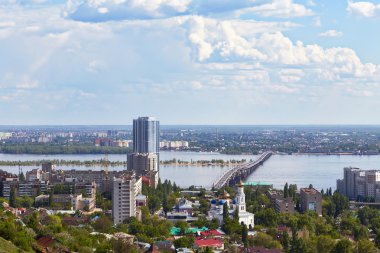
point(174, 144)
point(244, 216)
point(125, 190)
point(239, 203)
point(357, 183)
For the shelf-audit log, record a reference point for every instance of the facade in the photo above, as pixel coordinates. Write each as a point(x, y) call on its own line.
point(68, 201)
point(284, 205)
point(311, 200)
point(142, 163)
point(124, 197)
point(174, 144)
point(146, 137)
point(101, 179)
point(24, 188)
point(360, 184)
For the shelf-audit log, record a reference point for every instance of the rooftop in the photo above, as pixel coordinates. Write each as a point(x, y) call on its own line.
point(309, 190)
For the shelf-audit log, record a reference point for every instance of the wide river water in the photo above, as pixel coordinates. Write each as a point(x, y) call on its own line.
point(319, 170)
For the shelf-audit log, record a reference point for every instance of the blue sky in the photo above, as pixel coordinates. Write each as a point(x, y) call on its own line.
point(189, 61)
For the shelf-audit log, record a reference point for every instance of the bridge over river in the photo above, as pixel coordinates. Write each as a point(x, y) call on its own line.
point(241, 172)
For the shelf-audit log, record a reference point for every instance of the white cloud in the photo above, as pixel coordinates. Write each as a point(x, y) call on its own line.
point(103, 10)
point(280, 9)
point(331, 33)
point(26, 83)
point(364, 9)
point(317, 22)
point(196, 85)
point(6, 24)
point(122, 62)
point(291, 75)
point(226, 43)
point(106, 10)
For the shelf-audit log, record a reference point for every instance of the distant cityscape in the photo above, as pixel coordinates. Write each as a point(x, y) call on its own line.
point(360, 140)
point(134, 209)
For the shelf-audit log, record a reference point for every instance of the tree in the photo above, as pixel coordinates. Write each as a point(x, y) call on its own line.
point(341, 203)
point(343, 246)
point(24, 201)
point(285, 241)
point(21, 177)
point(244, 235)
point(208, 250)
point(311, 186)
point(119, 246)
point(184, 242)
point(183, 225)
point(366, 246)
point(225, 211)
point(265, 240)
point(153, 203)
point(286, 190)
point(165, 205)
point(51, 198)
point(12, 197)
point(325, 244)
point(103, 224)
point(33, 220)
point(236, 214)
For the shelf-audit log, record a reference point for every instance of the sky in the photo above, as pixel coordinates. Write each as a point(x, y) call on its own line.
point(65, 62)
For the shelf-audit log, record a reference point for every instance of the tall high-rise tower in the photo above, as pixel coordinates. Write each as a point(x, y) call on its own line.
point(144, 160)
point(146, 137)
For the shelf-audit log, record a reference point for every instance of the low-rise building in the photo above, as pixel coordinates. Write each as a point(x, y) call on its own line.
point(284, 205)
point(66, 201)
point(311, 200)
point(212, 243)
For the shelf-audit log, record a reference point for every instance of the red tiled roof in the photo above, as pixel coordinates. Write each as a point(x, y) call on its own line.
point(145, 180)
point(210, 233)
point(45, 241)
point(208, 243)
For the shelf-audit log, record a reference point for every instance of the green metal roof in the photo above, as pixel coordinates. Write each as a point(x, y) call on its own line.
point(257, 184)
point(177, 231)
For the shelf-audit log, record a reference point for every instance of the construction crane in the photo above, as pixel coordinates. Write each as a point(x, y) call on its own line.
point(106, 165)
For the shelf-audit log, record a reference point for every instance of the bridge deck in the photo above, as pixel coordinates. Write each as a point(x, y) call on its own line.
point(228, 175)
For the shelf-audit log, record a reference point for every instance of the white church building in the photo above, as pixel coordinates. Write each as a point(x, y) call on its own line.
point(245, 217)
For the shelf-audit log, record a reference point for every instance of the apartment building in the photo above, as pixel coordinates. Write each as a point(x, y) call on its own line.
point(125, 189)
point(360, 184)
point(311, 200)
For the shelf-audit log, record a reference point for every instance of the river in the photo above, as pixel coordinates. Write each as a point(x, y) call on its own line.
point(319, 170)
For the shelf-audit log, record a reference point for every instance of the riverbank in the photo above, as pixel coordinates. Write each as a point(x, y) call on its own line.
point(104, 163)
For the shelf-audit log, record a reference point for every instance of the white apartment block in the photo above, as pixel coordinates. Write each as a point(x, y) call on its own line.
point(125, 190)
point(174, 144)
point(357, 182)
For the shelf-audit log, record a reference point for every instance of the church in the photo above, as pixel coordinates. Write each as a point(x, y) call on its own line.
point(245, 217)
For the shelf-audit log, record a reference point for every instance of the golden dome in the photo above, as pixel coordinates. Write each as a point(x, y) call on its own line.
point(226, 195)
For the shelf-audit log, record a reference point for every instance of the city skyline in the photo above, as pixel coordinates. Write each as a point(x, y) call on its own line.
point(190, 62)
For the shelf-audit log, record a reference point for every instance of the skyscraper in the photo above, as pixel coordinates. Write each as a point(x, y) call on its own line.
point(146, 135)
point(144, 160)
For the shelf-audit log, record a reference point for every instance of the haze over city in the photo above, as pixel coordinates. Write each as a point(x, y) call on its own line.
point(189, 62)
